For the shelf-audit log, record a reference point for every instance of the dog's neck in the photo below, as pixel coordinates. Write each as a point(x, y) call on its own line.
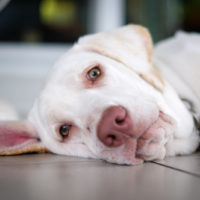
point(175, 76)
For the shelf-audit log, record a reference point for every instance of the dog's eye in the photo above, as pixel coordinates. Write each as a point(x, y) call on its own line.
point(94, 73)
point(64, 130)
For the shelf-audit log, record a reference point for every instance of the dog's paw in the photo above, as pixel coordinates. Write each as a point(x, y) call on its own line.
point(151, 145)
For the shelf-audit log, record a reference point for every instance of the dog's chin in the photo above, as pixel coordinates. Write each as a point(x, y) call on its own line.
point(149, 146)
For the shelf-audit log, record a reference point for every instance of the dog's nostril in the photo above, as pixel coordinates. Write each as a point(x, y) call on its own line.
point(113, 140)
point(119, 121)
point(113, 137)
point(110, 139)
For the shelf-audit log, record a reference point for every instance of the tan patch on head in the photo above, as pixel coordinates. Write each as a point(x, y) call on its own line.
point(130, 45)
point(147, 41)
point(157, 83)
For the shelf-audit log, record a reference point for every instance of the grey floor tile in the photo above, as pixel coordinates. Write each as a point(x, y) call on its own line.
point(46, 158)
point(58, 177)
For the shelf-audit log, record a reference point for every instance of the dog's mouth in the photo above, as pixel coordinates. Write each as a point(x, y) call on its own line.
point(149, 145)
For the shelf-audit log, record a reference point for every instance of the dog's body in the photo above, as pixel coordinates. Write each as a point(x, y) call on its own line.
point(104, 99)
point(177, 59)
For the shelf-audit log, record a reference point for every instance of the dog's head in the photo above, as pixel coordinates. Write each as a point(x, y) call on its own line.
point(103, 99)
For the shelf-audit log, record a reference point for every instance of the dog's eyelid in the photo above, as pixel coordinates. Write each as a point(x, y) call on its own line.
point(59, 127)
point(95, 65)
point(92, 66)
point(92, 75)
point(64, 130)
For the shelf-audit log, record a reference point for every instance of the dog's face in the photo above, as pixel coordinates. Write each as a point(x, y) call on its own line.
point(99, 102)
point(106, 107)
point(95, 106)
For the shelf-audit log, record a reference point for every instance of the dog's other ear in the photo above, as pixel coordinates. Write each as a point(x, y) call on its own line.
point(17, 137)
point(130, 45)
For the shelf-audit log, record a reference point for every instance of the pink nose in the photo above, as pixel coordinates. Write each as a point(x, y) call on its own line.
point(114, 127)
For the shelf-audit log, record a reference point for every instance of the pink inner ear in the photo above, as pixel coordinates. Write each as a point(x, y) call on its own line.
point(8, 139)
point(17, 136)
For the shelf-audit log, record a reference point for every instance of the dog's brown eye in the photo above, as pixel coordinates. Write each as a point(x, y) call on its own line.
point(94, 73)
point(64, 130)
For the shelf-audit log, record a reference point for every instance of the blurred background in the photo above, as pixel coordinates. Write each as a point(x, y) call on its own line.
point(66, 20)
point(35, 33)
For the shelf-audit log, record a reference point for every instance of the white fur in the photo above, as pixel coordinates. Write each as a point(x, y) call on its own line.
point(177, 59)
point(65, 99)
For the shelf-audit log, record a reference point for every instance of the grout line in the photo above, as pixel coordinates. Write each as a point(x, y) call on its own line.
point(177, 169)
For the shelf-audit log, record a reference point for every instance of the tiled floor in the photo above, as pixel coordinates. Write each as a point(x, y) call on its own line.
point(48, 176)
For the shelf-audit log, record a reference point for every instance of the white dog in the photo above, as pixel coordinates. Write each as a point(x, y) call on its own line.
point(104, 99)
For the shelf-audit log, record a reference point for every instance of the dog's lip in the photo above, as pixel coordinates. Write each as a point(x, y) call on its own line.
point(137, 153)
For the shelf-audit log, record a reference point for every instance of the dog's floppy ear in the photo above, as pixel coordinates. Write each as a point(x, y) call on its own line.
point(130, 45)
point(17, 137)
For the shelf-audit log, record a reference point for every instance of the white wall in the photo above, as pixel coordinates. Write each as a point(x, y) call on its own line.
point(23, 69)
